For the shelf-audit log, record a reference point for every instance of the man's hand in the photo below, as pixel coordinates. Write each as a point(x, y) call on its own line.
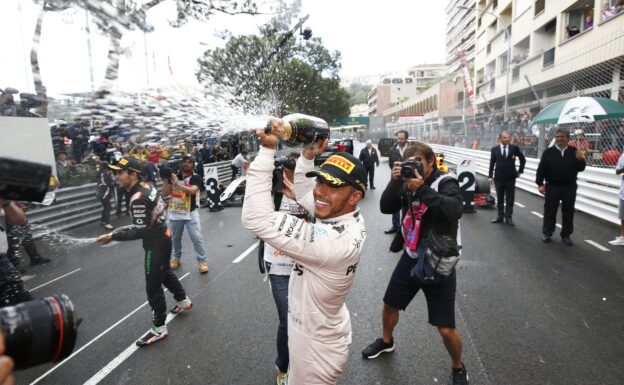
point(105, 238)
point(267, 140)
point(580, 154)
point(542, 189)
point(289, 188)
point(6, 366)
point(314, 149)
point(415, 182)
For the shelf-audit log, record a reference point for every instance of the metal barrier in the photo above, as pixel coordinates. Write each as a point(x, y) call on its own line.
point(598, 188)
point(77, 206)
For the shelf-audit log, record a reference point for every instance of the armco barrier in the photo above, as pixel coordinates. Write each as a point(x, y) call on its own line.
point(77, 206)
point(597, 192)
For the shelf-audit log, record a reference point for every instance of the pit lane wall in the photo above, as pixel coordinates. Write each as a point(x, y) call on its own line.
point(597, 192)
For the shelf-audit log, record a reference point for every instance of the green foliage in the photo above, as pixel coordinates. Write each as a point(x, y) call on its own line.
point(299, 76)
point(358, 93)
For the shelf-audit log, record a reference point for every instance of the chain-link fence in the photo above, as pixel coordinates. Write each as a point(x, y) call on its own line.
point(602, 140)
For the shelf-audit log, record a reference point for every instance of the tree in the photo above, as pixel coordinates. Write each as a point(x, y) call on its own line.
point(301, 77)
point(358, 93)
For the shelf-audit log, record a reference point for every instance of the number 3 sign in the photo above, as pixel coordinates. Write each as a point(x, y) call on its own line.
point(211, 181)
point(466, 178)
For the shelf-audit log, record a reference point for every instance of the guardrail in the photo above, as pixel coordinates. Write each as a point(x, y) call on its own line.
point(77, 206)
point(598, 188)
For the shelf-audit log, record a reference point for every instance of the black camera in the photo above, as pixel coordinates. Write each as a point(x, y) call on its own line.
point(167, 170)
point(39, 331)
point(409, 167)
point(23, 180)
point(278, 172)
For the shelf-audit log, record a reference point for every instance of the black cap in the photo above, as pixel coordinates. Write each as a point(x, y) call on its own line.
point(341, 169)
point(127, 163)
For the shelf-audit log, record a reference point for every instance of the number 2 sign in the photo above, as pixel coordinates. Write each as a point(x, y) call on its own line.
point(466, 178)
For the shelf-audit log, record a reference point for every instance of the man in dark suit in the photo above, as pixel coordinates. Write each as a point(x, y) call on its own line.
point(369, 157)
point(396, 155)
point(503, 166)
point(559, 167)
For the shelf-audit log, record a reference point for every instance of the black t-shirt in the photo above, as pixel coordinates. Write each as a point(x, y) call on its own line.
point(195, 180)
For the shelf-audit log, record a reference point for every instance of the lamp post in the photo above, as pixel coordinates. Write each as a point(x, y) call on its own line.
point(506, 105)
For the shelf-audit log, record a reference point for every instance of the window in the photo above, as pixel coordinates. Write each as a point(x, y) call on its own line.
point(494, 4)
point(503, 64)
point(539, 6)
point(488, 48)
point(549, 58)
point(579, 18)
point(611, 8)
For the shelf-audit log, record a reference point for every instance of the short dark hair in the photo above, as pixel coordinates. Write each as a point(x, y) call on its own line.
point(402, 132)
point(244, 152)
point(562, 131)
point(424, 149)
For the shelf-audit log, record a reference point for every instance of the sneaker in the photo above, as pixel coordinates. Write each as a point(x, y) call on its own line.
point(156, 333)
point(460, 376)
point(546, 238)
point(618, 241)
point(108, 226)
point(40, 261)
point(203, 267)
point(566, 241)
point(282, 378)
point(180, 306)
point(174, 264)
point(376, 348)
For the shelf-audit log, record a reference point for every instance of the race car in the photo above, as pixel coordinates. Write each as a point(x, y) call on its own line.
point(483, 198)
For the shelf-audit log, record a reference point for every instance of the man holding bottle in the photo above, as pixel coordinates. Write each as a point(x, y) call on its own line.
point(326, 252)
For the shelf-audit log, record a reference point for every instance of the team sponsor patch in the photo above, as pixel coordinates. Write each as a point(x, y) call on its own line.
point(341, 162)
point(320, 232)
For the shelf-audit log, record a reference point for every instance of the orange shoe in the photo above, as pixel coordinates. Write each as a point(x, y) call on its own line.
point(203, 267)
point(174, 264)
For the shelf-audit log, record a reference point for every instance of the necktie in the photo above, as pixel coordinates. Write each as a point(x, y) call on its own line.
point(504, 151)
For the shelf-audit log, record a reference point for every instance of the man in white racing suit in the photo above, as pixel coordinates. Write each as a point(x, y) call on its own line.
point(326, 252)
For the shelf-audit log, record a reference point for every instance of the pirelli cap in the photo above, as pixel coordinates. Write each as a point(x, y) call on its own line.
point(341, 169)
point(126, 163)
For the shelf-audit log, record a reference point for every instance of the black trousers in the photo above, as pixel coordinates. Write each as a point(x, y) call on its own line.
point(566, 194)
point(370, 172)
point(505, 194)
point(157, 274)
point(106, 210)
point(235, 171)
point(21, 235)
point(120, 194)
point(12, 289)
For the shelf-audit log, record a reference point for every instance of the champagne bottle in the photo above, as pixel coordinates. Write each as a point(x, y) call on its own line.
point(301, 129)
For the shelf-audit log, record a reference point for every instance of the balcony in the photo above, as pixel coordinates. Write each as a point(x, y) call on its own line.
point(548, 58)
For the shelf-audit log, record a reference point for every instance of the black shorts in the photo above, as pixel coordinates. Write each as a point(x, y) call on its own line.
point(440, 298)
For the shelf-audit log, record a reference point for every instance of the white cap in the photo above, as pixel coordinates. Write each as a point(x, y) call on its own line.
point(369, 142)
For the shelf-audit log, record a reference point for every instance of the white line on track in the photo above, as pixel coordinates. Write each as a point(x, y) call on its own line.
point(94, 339)
point(55, 279)
point(246, 252)
point(537, 214)
point(519, 204)
point(597, 245)
point(558, 225)
point(108, 369)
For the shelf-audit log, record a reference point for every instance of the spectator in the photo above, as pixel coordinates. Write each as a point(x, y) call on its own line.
point(12, 290)
point(21, 235)
point(396, 155)
point(572, 30)
point(61, 164)
point(589, 22)
point(79, 135)
point(149, 172)
point(559, 167)
point(369, 158)
point(619, 169)
point(238, 162)
point(7, 105)
point(105, 188)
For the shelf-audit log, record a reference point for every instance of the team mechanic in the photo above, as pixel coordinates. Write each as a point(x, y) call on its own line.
point(148, 212)
point(326, 252)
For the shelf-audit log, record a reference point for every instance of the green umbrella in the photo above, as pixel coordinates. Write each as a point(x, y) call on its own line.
point(580, 110)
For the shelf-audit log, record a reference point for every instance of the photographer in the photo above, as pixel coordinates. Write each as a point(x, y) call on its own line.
point(12, 289)
point(182, 190)
point(147, 210)
point(326, 252)
point(436, 204)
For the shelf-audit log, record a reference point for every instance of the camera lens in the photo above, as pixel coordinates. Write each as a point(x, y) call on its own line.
point(39, 331)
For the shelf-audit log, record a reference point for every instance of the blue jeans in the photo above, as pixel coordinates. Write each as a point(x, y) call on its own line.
point(396, 220)
point(279, 287)
point(194, 229)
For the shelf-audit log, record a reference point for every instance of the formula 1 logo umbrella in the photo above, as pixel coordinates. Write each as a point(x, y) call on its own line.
point(581, 109)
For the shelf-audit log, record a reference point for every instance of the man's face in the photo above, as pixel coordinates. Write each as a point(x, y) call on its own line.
point(427, 166)
point(123, 179)
point(369, 145)
point(505, 139)
point(561, 139)
point(401, 139)
point(62, 157)
point(331, 202)
point(187, 166)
